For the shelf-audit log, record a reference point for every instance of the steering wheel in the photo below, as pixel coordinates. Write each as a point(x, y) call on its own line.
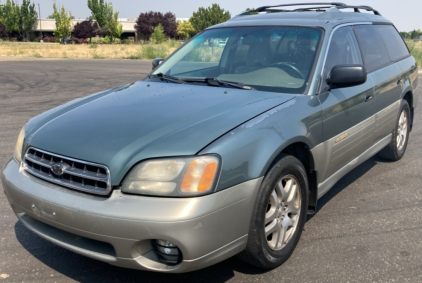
point(280, 65)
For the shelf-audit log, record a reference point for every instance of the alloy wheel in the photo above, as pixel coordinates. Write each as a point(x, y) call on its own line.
point(283, 212)
point(402, 131)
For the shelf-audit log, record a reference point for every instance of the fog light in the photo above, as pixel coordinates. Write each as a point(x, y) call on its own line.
point(166, 244)
point(168, 252)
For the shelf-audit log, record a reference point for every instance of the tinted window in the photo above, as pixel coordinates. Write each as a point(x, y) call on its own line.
point(395, 45)
point(343, 50)
point(374, 52)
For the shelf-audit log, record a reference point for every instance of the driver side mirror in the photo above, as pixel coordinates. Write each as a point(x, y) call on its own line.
point(347, 76)
point(156, 62)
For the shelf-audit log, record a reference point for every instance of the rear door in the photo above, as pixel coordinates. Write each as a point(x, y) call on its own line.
point(348, 113)
point(384, 72)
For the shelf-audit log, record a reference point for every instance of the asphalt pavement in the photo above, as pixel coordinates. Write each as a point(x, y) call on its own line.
point(368, 227)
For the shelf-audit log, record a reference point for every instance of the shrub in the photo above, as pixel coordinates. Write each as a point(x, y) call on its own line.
point(80, 40)
point(185, 30)
point(47, 39)
point(158, 34)
point(129, 40)
point(104, 40)
point(98, 56)
point(151, 52)
point(86, 29)
point(147, 21)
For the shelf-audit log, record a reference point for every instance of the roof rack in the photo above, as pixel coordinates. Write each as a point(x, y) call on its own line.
point(318, 8)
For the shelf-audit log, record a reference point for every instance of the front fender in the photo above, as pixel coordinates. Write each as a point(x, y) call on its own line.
point(248, 150)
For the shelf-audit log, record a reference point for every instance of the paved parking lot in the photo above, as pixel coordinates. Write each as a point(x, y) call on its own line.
point(368, 227)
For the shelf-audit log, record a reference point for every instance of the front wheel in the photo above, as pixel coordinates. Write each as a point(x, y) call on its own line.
point(397, 147)
point(278, 216)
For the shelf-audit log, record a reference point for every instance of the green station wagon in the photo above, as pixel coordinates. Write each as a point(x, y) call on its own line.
point(225, 147)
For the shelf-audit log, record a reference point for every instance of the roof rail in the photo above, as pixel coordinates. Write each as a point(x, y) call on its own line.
point(325, 5)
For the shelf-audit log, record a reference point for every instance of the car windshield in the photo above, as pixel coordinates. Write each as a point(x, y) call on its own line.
point(276, 58)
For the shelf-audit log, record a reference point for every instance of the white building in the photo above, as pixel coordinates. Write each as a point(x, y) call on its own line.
point(128, 24)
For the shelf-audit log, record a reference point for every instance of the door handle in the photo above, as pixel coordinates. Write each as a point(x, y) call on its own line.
point(369, 97)
point(399, 80)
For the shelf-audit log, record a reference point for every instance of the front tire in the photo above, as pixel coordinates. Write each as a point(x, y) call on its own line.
point(278, 216)
point(397, 147)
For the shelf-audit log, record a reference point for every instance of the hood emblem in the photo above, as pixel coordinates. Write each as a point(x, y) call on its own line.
point(58, 169)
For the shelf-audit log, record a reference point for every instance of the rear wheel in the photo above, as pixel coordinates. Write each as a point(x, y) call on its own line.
point(278, 216)
point(397, 147)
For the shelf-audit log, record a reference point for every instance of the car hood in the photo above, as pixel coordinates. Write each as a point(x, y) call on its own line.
point(146, 120)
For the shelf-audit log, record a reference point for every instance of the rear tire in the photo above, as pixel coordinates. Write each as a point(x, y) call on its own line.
point(397, 147)
point(278, 216)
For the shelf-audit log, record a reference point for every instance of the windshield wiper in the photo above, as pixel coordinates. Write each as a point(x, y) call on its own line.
point(168, 78)
point(217, 82)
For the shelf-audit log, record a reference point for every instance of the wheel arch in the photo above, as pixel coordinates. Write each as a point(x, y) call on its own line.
point(302, 151)
point(408, 96)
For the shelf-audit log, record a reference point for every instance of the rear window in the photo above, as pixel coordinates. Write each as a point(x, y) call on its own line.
point(396, 47)
point(374, 53)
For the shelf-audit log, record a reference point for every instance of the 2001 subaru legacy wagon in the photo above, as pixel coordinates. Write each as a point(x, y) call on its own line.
point(224, 148)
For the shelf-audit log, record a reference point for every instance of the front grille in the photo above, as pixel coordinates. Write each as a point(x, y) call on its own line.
point(75, 174)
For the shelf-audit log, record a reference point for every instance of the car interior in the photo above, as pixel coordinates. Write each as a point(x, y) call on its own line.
point(266, 58)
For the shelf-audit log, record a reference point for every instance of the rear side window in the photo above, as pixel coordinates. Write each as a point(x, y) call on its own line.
point(393, 41)
point(374, 53)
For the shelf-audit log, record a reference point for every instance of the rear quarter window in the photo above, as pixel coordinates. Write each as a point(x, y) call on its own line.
point(374, 53)
point(396, 47)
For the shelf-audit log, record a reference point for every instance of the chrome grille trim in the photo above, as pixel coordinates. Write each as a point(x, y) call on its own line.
point(80, 175)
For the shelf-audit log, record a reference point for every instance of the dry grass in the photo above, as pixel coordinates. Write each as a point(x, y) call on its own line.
point(415, 48)
point(88, 51)
point(128, 51)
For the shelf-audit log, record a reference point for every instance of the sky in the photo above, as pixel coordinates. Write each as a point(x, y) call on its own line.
point(405, 14)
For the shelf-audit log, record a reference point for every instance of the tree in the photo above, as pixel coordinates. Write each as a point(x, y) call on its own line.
point(28, 15)
point(158, 34)
point(115, 29)
point(169, 24)
point(51, 17)
point(414, 34)
point(206, 17)
point(185, 30)
point(101, 11)
point(251, 9)
point(86, 29)
point(107, 19)
point(18, 19)
point(10, 17)
point(3, 31)
point(146, 23)
point(63, 22)
point(404, 35)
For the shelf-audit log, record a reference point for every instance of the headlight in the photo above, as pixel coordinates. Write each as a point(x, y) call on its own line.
point(19, 145)
point(173, 177)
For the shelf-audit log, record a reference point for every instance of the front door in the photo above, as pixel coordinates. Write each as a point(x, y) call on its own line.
point(348, 113)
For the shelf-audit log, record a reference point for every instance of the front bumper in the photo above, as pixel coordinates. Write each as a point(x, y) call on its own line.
point(119, 229)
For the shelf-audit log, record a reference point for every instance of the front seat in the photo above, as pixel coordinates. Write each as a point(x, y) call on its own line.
point(259, 56)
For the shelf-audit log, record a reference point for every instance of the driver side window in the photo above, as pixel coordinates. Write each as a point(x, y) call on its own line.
point(344, 50)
